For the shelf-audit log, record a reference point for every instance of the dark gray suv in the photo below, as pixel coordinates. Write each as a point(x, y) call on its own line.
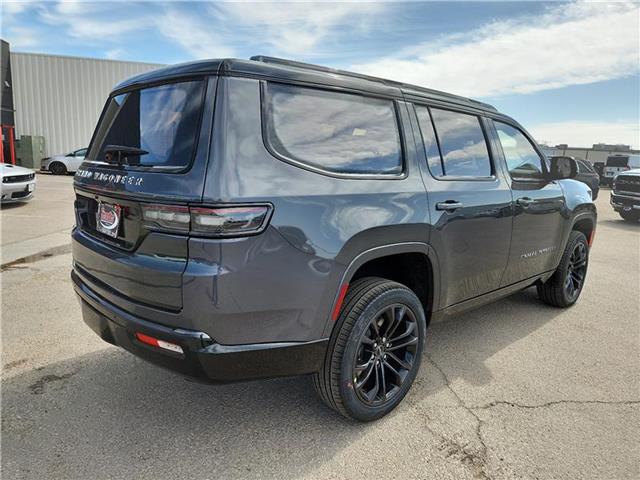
point(248, 219)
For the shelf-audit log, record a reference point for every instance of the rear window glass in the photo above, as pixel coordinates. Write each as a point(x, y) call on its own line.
point(150, 127)
point(617, 161)
point(462, 143)
point(336, 132)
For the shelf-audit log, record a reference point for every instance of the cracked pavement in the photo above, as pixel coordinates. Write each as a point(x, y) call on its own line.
point(515, 389)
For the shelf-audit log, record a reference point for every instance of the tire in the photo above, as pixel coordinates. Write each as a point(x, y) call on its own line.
point(58, 168)
point(353, 350)
point(565, 285)
point(632, 217)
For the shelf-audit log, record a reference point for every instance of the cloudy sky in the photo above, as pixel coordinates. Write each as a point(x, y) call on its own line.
point(567, 71)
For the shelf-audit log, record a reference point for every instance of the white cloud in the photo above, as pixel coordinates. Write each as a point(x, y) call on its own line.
point(585, 134)
point(198, 36)
point(570, 44)
point(115, 53)
point(92, 21)
point(296, 27)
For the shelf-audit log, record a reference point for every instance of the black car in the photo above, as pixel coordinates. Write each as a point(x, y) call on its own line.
point(248, 219)
point(625, 197)
point(588, 175)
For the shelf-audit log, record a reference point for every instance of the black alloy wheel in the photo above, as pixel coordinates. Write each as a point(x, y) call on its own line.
point(386, 354)
point(563, 288)
point(374, 351)
point(577, 271)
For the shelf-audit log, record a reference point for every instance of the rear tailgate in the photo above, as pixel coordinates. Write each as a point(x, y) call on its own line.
point(114, 250)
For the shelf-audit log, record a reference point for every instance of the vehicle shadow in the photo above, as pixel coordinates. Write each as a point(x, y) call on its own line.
point(109, 414)
point(12, 205)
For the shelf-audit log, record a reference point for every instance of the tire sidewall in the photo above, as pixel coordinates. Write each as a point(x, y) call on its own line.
point(351, 401)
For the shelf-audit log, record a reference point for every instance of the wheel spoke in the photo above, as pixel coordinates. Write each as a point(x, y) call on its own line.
point(397, 314)
point(407, 332)
point(393, 370)
point(402, 363)
point(366, 339)
point(367, 374)
point(383, 381)
point(376, 328)
point(363, 366)
point(412, 341)
point(371, 394)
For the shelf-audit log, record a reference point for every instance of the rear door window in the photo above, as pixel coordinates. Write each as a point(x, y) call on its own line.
point(429, 141)
point(153, 127)
point(523, 161)
point(333, 131)
point(462, 144)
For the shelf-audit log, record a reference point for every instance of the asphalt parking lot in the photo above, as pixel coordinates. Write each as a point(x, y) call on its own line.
point(515, 389)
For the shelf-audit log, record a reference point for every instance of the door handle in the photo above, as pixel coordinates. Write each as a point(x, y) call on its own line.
point(525, 201)
point(449, 205)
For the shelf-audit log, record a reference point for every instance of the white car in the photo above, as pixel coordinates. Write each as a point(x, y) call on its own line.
point(18, 183)
point(62, 164)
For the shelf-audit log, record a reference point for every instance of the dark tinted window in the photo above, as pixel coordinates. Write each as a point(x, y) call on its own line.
point(162, 121)
point(429, 140)
point(621, 161)
point(522, 158)
point(80, 153)
point(462, 143)
point(584, 166)
point(338, 132)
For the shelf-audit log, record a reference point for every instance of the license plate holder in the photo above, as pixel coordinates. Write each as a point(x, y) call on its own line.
point(108, 219)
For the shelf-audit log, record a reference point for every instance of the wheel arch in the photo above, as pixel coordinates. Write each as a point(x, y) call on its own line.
point(401, 262)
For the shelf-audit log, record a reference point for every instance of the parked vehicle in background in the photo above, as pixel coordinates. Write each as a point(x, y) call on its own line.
point(588, 175)
point(63, 164)
point(599, 168)
point(18, 183)
point(619, 163)
point(284, 218)
point(625, 197)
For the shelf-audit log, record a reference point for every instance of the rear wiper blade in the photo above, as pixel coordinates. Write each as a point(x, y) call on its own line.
point(122, 152)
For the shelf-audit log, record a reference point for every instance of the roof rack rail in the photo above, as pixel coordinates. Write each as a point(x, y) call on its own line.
point(393, 83)
point(320, 68)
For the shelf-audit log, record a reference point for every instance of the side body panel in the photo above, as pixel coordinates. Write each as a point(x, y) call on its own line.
point(281, 285)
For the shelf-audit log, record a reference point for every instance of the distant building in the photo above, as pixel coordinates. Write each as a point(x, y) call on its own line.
point(60, 97)
point(597, 153)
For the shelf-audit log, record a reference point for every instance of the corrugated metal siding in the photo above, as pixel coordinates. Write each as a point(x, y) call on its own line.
point(61, 98)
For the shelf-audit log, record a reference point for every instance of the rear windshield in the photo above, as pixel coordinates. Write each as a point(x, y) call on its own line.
point(153, 127)
point(617, 161)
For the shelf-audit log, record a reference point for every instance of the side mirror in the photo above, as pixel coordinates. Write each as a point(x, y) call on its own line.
point(562, 167)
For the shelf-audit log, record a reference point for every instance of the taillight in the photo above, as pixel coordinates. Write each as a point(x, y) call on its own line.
point(166, 217)
point(229, 220)
point(224, 221)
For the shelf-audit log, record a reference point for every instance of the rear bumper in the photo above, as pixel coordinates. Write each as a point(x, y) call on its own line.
point(203, 358)
point(621, 202)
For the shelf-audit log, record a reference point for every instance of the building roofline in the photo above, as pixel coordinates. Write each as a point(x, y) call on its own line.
point(74, 57)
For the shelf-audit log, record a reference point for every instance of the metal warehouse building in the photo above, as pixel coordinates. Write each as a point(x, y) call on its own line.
point(60, 97)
